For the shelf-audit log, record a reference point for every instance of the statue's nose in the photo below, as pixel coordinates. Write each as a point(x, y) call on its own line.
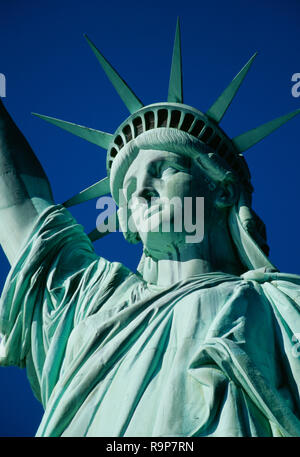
point(146, 187)
point(147, 193)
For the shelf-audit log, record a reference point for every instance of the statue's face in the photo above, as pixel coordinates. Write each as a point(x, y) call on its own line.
point(156, 186)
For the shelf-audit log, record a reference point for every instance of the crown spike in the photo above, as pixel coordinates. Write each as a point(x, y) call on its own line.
point(175, 94)
point(219, 107)
point(131, 101)
point(97, 137)
point(250, 138)
point(97, 233)
point(96, 190)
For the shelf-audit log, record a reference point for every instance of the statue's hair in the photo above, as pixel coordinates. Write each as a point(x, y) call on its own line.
point(215, 168)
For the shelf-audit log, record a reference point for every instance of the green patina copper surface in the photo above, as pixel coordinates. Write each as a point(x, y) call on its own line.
point(198, 341)
point(111, 355)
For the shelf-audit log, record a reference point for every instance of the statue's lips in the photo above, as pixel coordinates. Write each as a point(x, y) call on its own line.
point(150, 215)
point(146, 213)
point(154, 209)
point(159, 206)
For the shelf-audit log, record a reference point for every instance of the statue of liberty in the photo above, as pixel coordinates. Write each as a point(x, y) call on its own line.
point(199, 340)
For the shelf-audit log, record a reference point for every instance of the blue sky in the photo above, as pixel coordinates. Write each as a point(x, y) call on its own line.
point(50, 69)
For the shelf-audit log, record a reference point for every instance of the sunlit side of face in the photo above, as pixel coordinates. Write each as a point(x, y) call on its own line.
point(155, 186)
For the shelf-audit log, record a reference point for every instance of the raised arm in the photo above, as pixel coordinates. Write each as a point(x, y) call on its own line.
point(24, 188)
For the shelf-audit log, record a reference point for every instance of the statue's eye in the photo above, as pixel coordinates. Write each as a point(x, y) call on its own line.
point(164, 168)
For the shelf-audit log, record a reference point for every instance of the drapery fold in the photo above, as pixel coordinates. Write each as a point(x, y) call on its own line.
point(110, 355)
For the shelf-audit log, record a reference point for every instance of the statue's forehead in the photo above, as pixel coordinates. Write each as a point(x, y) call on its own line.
point(156, 154)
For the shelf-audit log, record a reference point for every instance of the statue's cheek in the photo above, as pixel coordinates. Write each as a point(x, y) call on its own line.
point(179, 185)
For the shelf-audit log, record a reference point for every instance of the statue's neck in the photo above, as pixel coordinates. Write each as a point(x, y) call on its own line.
point(215, 253)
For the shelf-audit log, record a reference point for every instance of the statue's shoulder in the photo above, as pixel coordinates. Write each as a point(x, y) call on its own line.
point(261, 276)
point(276, 286)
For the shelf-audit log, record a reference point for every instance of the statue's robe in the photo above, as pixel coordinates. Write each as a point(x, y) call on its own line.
point(110, 355)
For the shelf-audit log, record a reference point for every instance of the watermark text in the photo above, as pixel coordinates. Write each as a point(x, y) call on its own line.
point(156, 215)
point(296, 87)
point(2, 85)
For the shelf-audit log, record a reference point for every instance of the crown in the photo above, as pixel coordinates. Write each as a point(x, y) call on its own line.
point(171, 114)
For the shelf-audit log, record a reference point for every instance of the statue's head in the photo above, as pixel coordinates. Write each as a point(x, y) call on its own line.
point(164, 154)
point(204, 160)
